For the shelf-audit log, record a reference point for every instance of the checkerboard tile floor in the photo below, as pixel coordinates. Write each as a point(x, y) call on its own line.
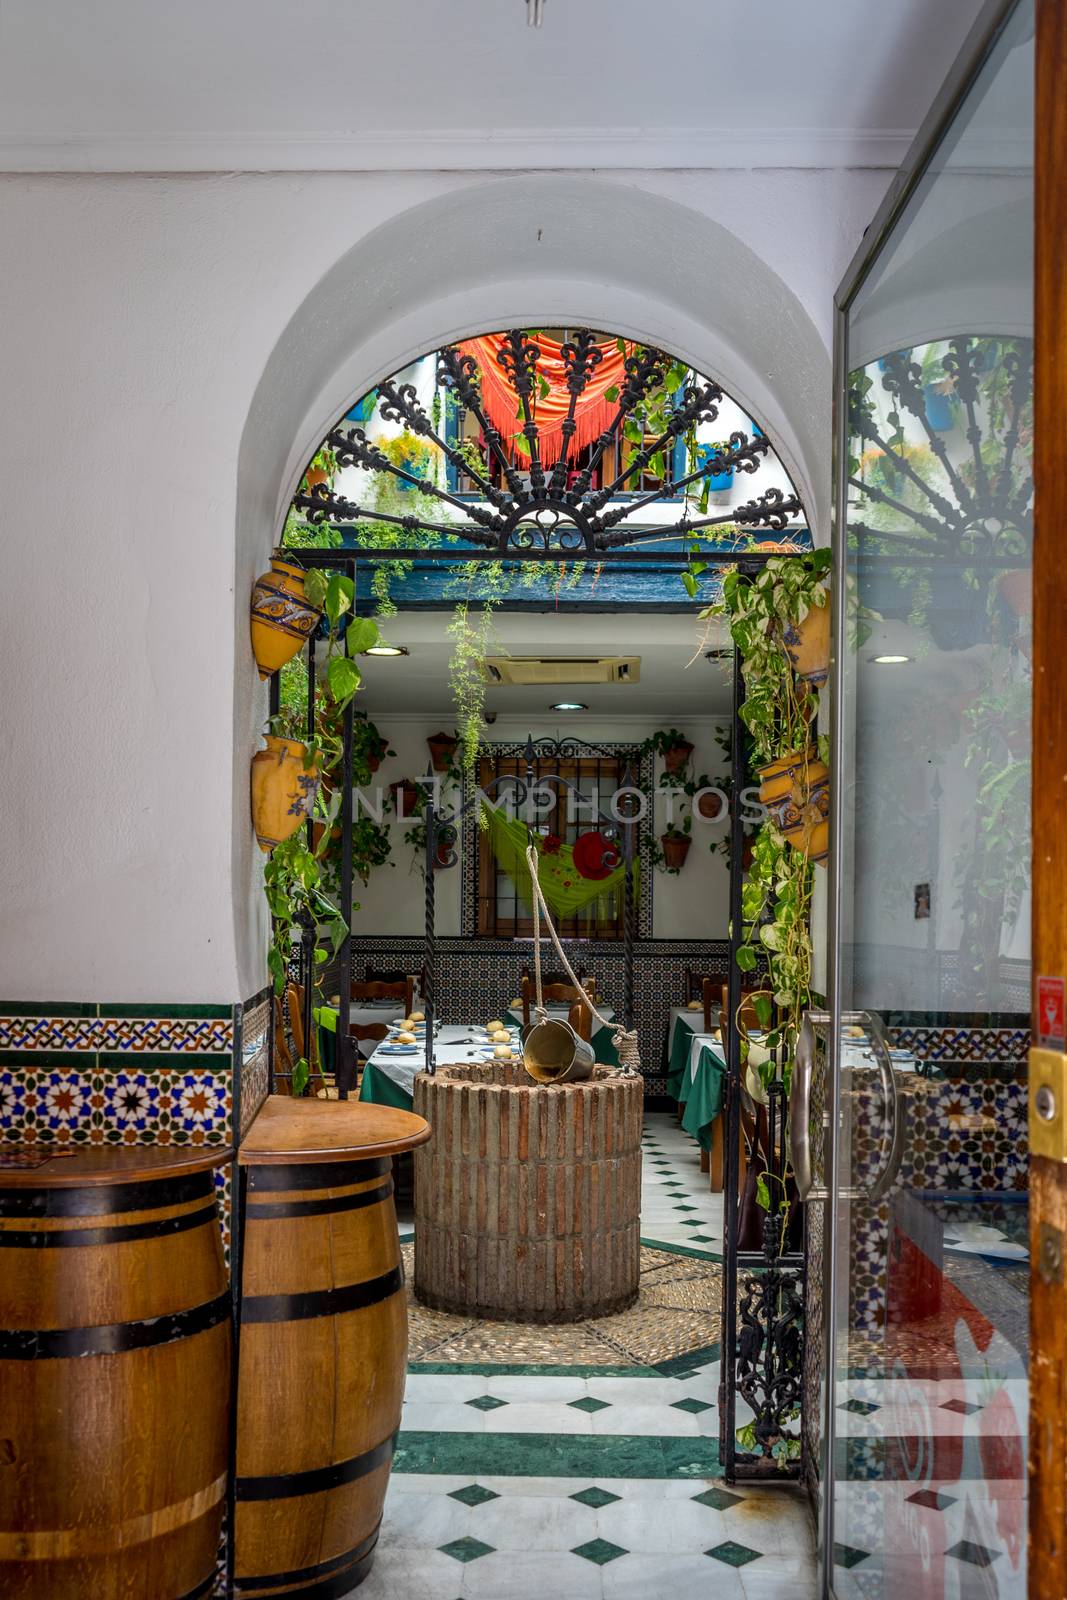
point(510, 1485)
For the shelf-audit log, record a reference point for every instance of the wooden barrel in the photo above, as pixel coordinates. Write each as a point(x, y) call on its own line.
point(322, 1344)
point(115, 1341)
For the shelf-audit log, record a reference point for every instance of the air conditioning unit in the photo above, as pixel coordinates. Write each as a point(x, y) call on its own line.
point(558, 670)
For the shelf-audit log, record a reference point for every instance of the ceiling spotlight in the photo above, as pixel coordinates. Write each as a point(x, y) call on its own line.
point(889, 661)
point(535, 13)
point(569, 705)
point(383, 649)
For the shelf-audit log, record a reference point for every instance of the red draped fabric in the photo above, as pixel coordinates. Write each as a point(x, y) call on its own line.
point(593, 413)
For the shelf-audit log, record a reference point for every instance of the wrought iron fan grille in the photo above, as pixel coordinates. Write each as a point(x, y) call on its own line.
point(530, 497)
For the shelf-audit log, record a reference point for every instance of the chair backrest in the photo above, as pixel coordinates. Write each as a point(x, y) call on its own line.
point(581, 1020)
point(694, 984)
point(402, 991)
point(561, 977)
point(707, 995)
point(289, 1042)
point(749, 1019)
point(552, 994)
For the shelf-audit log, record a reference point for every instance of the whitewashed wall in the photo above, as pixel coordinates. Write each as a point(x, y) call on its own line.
point(145, 325)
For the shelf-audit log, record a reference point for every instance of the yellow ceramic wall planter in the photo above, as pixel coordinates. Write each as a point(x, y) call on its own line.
point(807, 644)
point(283, 619)
point(283, 790)
point(796, 791)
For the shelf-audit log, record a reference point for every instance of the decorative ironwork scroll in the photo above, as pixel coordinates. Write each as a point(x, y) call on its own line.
point(523, 502)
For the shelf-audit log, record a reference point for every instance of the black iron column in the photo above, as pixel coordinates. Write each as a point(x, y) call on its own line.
point(345, 1051)
point(732, 1040)
point(429, 961)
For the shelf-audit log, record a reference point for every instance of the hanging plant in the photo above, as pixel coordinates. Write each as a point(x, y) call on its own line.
point(672, 745)
point(301, 883)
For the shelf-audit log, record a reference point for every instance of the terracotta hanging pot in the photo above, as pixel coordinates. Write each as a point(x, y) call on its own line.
point(405, 797)
point(314, 476)
point(442, 749)
point(283, 620)
point(676, 757)
point(595, 856)
point(675, 849)
point(283, 790)
point(796, 791)
point(709, 806)
point(807, 644)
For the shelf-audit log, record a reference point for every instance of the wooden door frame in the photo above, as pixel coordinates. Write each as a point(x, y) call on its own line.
point(1048, 1175)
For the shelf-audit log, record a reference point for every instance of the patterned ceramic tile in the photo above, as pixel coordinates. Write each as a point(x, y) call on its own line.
point(185, 1035)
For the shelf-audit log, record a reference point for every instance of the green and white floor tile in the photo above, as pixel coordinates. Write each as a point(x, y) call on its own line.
point(511, 1483)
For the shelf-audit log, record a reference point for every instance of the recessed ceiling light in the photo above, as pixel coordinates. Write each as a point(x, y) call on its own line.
point(569, 705)
point(384, 649)
point(889, 661)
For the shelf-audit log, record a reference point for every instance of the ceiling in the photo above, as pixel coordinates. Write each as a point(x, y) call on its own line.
point(125, 85)
point(672, 682)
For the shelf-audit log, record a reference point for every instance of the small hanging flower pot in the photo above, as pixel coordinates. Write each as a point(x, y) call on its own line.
point(313, 477)
point(796, 791)
point(676, 756)
point(405, 797)
point(1017, 590)
point(442, 749)
point(807, 644)
point(283, 619)
point(675, 849)
point(283, 790)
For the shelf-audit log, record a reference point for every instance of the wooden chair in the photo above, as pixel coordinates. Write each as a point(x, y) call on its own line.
point(749, 1019)
point(289, 1045)
point(581, 1020)
point(561, 977)
point(403, 992)
point(552, 993)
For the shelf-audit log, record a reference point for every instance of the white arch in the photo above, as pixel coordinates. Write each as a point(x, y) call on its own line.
point(520, 250)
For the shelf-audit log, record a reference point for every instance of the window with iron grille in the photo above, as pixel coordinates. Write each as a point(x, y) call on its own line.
point(502, 912)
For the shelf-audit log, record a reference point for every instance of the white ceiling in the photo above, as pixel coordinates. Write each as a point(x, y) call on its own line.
point(673, 684)
point(130, 85)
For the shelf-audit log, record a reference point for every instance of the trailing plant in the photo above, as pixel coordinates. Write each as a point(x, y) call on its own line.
point(664, 740)
point(298, 879)
point(470, 635)
point(778, 709)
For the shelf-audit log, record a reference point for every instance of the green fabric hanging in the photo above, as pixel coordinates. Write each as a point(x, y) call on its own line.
point(566, 891)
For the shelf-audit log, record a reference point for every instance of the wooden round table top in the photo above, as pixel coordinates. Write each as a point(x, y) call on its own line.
point(78, 1167)
point(328, 1130)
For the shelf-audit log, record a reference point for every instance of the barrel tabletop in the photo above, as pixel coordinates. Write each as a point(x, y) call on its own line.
point(328, 1130)
point(48, 1167)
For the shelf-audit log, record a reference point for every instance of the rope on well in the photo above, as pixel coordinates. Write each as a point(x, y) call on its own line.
point(624, 1040)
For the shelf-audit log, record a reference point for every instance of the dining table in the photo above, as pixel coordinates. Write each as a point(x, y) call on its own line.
point(602, 1039)
point(684, 1022)
point(361, 1014)
point(389, 1080)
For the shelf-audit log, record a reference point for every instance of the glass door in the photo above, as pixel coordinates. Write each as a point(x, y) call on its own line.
point(926, 1402)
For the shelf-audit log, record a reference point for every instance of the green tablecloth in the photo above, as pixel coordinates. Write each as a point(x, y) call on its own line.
point(701, 1095)
point(382, 1091)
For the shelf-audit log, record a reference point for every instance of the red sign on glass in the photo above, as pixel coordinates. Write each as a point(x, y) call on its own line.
point(1051, 1028)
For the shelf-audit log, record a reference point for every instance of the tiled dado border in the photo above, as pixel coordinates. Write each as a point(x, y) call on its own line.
point(122, 1074)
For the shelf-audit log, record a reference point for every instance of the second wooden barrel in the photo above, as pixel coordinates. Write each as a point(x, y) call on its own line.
point(322, 1356)
point(115, 1338)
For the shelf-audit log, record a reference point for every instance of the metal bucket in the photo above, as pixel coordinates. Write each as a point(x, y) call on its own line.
point(553, 1053)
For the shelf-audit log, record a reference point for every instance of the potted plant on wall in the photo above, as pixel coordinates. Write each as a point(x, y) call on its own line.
point(672, 745)
point(369, 746)
point(674, 845)
point(442, 750)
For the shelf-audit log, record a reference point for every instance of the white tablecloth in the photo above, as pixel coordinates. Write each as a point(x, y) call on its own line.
point(452, 1046)
point(364, 1013)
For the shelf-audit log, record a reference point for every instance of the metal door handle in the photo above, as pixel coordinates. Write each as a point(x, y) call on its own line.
point(800, 1108)
point(895, 1151)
